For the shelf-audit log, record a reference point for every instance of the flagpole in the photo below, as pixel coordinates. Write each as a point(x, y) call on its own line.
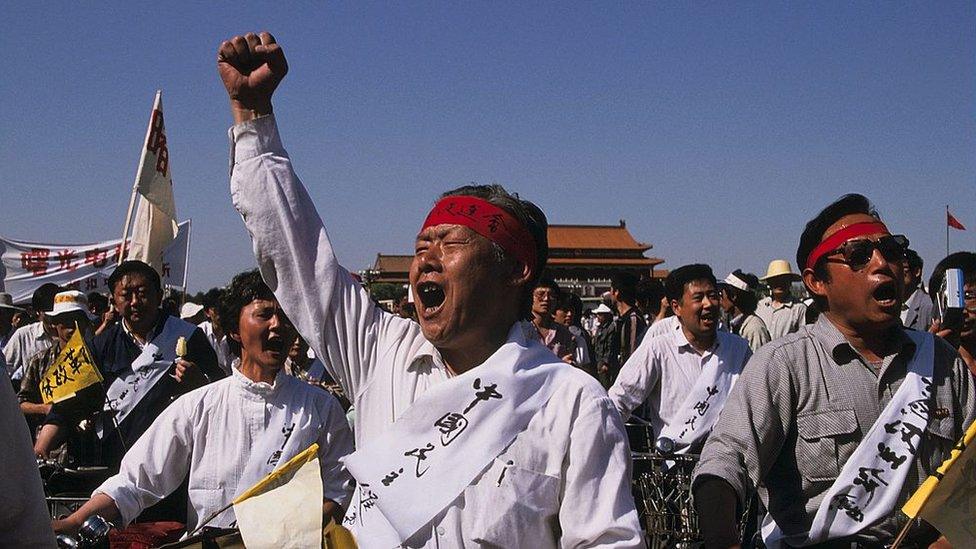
point(947, 230)
point(135, 185)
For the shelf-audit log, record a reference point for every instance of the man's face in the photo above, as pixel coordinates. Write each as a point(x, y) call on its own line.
point(869, 298)
point(137, 300)
point(726, 300)
point(461, 291)
point(910, 277)
point(698, 308)
point(265, 334)
point(563, 316)
point(64, 324)
point(543, 301)
point(968, 332)
point(298, 352)
point(780, 287)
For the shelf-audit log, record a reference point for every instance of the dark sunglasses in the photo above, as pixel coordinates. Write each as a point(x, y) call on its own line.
point(858, 253)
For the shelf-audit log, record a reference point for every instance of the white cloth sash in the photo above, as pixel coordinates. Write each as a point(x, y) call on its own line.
point(703, 405)
point(146, 370)
point(868, 486)
point(445, 439)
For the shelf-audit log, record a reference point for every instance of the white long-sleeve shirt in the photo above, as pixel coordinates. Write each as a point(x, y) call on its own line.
point(663, 370)
point(212, 432)
point(563, 482)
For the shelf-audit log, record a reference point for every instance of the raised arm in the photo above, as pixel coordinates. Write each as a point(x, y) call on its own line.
point(293, 251)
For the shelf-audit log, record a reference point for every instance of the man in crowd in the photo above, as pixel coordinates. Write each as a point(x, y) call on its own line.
point(963, 335)
point(495, 441)
point(629, 326)
point(604, 350)
point(555, 336)
point(69, 312)
point(781, 312)
point(33, 338)
point(569, 313)
point(739, 303)
point(916, 312)
point(7, 311)
point(685, 375)
point(137, 358)
point(841, 421)
point(228, 435)
point(215, 333)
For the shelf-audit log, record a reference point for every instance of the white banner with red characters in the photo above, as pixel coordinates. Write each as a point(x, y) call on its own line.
point(84, 267)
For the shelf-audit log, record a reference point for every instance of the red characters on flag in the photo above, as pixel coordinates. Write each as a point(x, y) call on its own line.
point(157, 142)
point(66, 260)
point(953, 222)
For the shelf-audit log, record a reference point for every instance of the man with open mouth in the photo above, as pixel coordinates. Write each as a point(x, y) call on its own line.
point(841, 421)
point(467, 432)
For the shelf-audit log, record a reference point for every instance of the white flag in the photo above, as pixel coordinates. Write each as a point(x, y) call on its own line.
point(155, 223)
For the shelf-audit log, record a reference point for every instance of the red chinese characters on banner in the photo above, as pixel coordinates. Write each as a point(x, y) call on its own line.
point(157, 142)
point(96, 258)
point(35, 261)
point(66, 260)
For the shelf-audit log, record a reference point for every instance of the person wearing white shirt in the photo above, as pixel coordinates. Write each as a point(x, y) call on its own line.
point(226, 436)
point(33, 338)
point(467, 432)
point(667, 370)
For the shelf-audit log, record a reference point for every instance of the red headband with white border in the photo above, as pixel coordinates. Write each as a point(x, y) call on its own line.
point(835, 240)
point(489, 221)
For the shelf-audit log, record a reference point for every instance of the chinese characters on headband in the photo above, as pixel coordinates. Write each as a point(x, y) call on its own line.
point(901, 447)
point(446, 430)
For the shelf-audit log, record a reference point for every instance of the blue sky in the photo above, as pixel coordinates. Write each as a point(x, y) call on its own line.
point(715, 130)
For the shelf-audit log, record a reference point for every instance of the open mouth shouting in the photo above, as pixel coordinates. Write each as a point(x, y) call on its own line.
point(886, 295)
point(431, 296)
point(275, 344)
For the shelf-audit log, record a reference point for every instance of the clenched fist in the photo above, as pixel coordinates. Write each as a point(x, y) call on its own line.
point(251, 67)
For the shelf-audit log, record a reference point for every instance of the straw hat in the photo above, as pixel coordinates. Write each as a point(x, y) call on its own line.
point(602, 309)
point(780, 267)
point(190, 310)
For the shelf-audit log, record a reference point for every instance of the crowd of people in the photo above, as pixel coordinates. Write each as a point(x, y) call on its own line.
point(490, 409)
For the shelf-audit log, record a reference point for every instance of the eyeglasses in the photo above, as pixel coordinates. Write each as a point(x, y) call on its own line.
point(858, 253)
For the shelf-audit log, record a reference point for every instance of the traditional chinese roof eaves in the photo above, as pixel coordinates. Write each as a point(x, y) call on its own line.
point(598, 262)
point(392, 263)
point(606, 237)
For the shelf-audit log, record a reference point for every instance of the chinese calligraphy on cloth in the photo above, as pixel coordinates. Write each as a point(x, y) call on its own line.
point(71, 372)
point(868, 486)
point(448, 437)
point(148, 368)
point(701, 408)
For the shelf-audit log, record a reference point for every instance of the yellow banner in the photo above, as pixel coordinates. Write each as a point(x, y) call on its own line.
point(73, 371)
point(281, 475)
point(914, 505)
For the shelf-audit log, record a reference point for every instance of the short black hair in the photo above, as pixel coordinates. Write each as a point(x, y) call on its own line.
point(211, 299)
point(625, 283)
point(97, 302)
point(546, 282)
point(913, 259)
point(134, 266)
point(531, 217)
point(959, 260)
point(813, 232)
point(244, 288)
point(674, 284)
point(43, 298)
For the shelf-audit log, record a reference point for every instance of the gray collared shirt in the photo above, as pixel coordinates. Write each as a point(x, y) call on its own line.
point(802, 405)
point(781, 318)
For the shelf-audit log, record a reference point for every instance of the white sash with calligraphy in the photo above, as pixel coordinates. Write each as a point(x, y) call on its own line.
point(702, 407)
point(147, 369)
point(868, 486)
point(445, 440)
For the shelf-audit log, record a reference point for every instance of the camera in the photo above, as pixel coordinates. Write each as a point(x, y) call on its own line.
point(950, 301)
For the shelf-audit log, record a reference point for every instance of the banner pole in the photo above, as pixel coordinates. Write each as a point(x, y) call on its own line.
point(124, 250)
point(186, 258)
point(947, 230)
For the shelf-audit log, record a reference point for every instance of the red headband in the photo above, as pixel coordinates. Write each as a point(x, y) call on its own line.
point(835, 240)
point(489, 221)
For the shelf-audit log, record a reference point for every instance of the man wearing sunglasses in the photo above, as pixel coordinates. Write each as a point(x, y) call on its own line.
point(842, 420)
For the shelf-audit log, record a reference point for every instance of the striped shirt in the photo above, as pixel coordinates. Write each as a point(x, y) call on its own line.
point(802, 405)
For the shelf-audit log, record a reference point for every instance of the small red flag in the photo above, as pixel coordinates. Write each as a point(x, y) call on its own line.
point(953, 222)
